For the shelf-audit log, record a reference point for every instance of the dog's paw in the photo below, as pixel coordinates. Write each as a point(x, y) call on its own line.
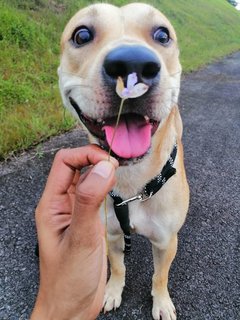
point(112, 297)
point(163, 309)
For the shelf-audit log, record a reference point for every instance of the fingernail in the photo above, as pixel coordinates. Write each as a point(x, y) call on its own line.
point(103, 169)
point(114, 162)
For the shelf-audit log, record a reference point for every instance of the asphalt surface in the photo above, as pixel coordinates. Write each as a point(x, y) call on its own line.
point(204, 278)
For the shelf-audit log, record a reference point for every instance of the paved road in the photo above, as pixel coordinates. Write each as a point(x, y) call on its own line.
point(204, 279)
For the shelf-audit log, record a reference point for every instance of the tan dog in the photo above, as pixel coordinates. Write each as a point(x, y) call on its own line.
point(99, 44)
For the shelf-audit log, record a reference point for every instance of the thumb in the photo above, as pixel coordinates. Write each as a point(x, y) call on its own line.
point(89, 196)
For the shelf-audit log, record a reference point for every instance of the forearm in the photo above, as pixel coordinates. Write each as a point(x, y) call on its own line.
point(73, 264)
point(81, 299)
point(42, 311)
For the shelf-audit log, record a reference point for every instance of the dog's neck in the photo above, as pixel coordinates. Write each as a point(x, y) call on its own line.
point(131, 179)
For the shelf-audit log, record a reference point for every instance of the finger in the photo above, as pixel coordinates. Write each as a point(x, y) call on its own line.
point(90, 194)
point(67, 161)
point(72, 188)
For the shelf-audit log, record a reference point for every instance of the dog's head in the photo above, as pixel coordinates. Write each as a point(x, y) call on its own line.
point(102, 43)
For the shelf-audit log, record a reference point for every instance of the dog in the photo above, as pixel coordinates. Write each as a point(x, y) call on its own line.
point(100, 45)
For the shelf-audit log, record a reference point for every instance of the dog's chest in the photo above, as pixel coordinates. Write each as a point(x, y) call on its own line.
point(146, 220)
point(155, 218)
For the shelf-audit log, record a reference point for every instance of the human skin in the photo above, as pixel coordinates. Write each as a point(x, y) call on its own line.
point(72, 247)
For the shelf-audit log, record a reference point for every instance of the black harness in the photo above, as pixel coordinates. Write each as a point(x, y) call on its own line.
point(152, 187)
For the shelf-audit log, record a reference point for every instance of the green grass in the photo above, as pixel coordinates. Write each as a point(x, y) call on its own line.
point(30, 30)
point(207, 29)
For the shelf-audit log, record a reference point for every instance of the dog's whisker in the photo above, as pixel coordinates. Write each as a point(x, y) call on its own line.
point(175, 73)
point(159, 94)
point(78, 85)
point(172, 102)
point(72, 74)
point(170, 88)
point(172, 74)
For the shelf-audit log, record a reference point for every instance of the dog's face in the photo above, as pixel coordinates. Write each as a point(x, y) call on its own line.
point(101, 43)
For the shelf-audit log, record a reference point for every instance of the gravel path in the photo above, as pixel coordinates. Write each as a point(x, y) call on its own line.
point(204, 278)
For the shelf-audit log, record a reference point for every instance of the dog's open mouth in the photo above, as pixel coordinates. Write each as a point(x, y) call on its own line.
point(131, 140)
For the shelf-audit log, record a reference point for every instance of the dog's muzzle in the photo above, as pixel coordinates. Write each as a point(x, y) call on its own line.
point(132, 138)
point(133, 135)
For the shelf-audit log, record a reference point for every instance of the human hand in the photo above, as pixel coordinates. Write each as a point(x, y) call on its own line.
point(71, 240)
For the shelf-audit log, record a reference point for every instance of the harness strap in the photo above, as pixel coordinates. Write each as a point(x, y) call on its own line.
point(167, 172)
point(122, 214)
point(153, 186)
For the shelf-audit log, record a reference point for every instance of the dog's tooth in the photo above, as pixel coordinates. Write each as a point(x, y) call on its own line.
point(146, 118)
point(101, 122)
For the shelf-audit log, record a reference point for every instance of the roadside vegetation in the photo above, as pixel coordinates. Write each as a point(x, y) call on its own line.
point(30, 30)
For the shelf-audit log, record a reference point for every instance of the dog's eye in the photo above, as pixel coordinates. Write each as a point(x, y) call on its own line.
point(82, 36)
point(161, 35)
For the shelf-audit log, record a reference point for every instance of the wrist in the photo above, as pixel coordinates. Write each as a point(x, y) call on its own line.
point(42, 310)
point(45, 311)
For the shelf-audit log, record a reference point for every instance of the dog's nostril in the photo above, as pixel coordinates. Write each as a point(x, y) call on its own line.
point(124, 60)
point(116, 69)
point(150, 70)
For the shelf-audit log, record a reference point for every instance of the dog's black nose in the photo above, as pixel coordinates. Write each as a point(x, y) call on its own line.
point(127, 59)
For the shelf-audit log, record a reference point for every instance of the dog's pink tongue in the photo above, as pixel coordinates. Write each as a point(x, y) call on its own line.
point(132, 138)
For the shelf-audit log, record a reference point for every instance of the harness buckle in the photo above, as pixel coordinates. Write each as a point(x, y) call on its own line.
point(145, 197)
point(141, 197)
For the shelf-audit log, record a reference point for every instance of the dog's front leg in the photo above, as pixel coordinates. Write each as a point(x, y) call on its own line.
point(163, 307)
point(114, 288)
